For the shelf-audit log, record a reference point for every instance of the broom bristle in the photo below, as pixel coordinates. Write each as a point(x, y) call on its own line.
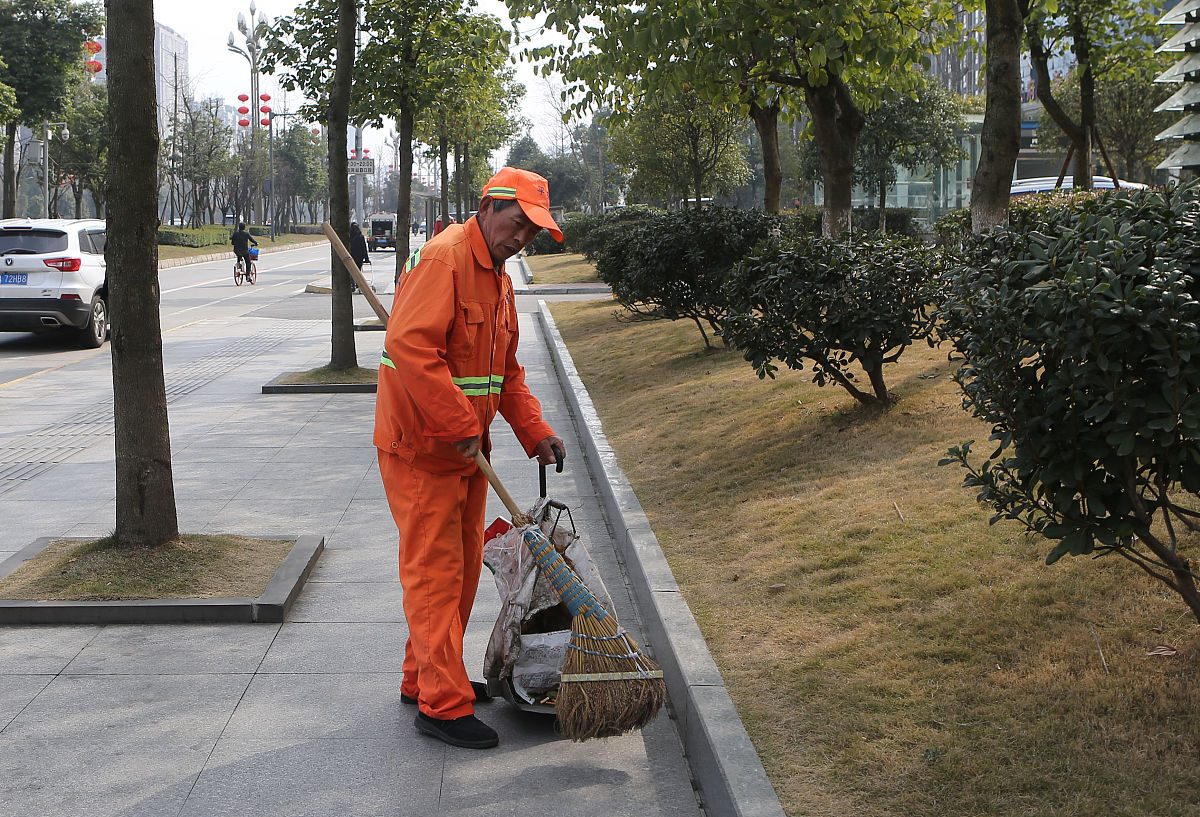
point(608, 687)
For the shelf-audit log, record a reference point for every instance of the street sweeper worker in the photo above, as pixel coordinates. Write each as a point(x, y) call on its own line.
point(449, 364)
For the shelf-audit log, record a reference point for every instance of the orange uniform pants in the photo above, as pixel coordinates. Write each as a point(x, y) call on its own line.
point(440, 518)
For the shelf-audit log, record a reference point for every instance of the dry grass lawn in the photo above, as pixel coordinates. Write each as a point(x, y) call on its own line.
point(194, 567)
point(561, 268)
point(890, 653)
point(326, 375)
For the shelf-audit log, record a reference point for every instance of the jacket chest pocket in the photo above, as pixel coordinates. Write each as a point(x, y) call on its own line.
point(468, 331)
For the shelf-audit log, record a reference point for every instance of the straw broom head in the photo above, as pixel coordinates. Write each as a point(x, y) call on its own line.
point(607, 686)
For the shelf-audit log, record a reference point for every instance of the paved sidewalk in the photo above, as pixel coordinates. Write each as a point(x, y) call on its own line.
point(299, 718)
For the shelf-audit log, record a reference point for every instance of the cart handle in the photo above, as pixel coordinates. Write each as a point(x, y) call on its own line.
point(559, 456)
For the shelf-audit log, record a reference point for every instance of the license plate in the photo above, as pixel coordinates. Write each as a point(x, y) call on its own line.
point(14, 278)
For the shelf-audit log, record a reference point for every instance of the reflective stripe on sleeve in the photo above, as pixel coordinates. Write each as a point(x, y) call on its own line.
point(412, 261)
point(386, 360)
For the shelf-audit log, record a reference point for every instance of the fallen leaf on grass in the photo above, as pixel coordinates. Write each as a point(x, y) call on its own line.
point(1161, 650)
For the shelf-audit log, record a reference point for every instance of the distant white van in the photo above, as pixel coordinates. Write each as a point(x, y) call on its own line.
point(1047, 184)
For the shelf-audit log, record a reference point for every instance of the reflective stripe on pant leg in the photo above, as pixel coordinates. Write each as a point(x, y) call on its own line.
point(428, 509)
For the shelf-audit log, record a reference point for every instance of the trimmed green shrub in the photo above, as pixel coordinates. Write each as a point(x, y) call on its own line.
point(1080, 326)
point(543, 244)
point(802, 221)
point(672, 266)
point(185, 237)
point(258, 230)
point(952, 228)
point(832, 304)
point(899, 221)
point(586, 234)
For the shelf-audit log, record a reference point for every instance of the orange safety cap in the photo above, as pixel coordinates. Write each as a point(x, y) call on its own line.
point(530, 190)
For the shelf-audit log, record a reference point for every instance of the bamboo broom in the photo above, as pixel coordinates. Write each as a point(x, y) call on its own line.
point(607, 687)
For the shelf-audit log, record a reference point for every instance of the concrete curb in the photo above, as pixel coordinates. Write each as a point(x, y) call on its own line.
point(227, 256)
point(271, 607)
point(725, 767)
point(275, 387)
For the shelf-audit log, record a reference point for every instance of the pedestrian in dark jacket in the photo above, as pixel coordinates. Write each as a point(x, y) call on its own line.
point(358, 249)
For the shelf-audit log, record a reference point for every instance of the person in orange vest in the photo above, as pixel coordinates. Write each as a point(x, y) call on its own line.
point(449, 365)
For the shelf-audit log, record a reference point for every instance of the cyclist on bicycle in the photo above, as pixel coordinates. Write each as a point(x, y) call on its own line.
point(241, 241)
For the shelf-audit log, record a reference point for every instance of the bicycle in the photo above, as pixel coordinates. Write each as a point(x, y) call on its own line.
point(240, 273)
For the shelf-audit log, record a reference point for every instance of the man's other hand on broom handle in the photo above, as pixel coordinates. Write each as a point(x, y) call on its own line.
point(468, 447)
point(550, 451)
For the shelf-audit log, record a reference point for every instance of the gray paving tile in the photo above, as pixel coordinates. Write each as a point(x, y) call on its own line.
point(113, 745)
point(37, 650)
point(349, 602)
point(315, 647)
point(355, 705)
point(345, 559)
point(16, 692)
point(317, 778)
point(184, 649)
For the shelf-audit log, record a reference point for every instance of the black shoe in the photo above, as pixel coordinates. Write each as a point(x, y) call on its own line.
point(467, 731)
point(481, 694)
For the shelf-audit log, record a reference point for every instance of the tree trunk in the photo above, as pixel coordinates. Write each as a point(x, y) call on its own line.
point(404, 189)
point(10, 170)
point(1087, 104)
point(882, 208)
point(146, 514)
point(837, 122)
point(342, 353)
point(458, 181)
point(468, 186)
point(766, 122)
point(1000, 141)
point(445, 171)
point(1081, 141)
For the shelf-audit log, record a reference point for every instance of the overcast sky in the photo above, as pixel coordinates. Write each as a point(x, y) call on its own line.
point(216, 71)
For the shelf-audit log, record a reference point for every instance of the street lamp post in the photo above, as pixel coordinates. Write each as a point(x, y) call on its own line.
point(251, 32)
point(65, 134)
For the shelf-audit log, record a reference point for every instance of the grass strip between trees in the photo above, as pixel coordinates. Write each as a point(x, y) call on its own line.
point(562, 268)
point(328, 375)
point(890, 653)
point(193, 567)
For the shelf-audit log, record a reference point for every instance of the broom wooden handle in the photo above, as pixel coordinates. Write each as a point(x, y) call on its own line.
point(519, 516)
point(354, 271)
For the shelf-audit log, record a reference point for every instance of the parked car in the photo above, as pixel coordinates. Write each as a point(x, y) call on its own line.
point(52, 277)
point(1045, 184)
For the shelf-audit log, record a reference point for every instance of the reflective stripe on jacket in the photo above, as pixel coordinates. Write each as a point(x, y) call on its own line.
point(449, 361)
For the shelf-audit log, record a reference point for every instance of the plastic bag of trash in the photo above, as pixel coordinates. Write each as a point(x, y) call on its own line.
point(529, 640)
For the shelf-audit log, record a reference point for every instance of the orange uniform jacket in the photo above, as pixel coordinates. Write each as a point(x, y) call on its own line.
point(449, 361)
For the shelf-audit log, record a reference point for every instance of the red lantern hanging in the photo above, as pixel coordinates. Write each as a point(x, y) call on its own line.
point(93, 47)
point(93, 67)
point(264, 122)
point(365, 151)
point(243, 110)
point(265, 97)
point(243, 97)
point(316, 131)
point(264, 108)
point(243, 122)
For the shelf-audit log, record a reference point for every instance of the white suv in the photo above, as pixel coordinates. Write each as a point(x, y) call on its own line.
point(52, 275)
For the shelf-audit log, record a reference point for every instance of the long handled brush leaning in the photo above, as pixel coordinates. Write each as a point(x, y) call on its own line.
point(607, 687)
